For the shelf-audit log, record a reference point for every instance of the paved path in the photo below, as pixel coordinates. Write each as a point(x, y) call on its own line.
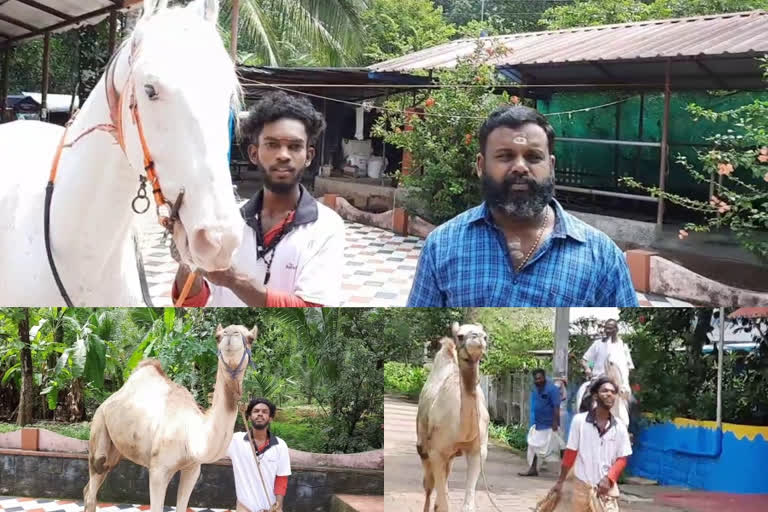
point(379, 267)
point(402, 476)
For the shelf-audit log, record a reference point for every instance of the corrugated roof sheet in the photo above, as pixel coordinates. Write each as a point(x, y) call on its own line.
point(23, 19)
point(717, 35)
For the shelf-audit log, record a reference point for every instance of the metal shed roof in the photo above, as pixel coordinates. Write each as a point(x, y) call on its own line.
point(348, 84)
point(26, 19)
point(717, 51)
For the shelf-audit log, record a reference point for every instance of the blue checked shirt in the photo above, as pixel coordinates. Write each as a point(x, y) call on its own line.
point(465, 263)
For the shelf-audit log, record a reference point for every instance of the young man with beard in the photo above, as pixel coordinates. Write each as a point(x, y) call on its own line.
point(598, 448)
point(292, 253)
point(274, 462)
point(519, 247)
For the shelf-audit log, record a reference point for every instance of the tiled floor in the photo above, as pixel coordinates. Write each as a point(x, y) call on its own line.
point(11, 504)
point(379, 270)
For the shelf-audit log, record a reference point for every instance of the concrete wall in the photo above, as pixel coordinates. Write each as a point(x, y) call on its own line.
point(627, 233)
point(695, 454)
point(309, 489)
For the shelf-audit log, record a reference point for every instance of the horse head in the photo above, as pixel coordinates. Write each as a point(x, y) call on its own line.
point(179, 88)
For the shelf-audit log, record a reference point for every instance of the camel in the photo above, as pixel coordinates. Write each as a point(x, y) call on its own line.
point(157, 424)
point(442, 434)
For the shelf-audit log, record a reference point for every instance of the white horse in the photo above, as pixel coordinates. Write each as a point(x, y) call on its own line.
point(176, 71)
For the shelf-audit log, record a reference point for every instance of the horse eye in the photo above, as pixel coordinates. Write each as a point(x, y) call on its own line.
point(151, 92)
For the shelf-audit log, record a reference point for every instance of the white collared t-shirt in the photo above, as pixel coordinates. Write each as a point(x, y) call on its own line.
point(275, 461)
point(308, 261)
point(596, 454)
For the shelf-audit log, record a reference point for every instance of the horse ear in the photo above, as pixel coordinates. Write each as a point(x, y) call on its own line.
point(254, 332)
point(455, 328)
point(150, 6)
point(219, 331)
point(209, 9)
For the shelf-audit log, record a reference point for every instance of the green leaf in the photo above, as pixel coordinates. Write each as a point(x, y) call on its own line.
point(169, 317)
point(61, 363)
point(138, 354)
point(10, 372)
point(79, 355)
point(96, 362)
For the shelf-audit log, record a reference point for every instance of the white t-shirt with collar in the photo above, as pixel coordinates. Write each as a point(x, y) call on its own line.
point(275, 461)
point(596, 454)
point(601, 351)
point(308, 261)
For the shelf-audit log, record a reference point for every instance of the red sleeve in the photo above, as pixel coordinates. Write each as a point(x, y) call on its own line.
point(277, 299)
point(281, 485)
point(617, 468)
point(569, 458)
point(194, 301)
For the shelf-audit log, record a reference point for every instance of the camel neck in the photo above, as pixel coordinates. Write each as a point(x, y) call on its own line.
point(470, 427)
point(220, 418)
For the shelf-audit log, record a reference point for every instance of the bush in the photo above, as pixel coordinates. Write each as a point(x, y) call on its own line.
point(404, 378)
point(515, 436)
point(442, 140)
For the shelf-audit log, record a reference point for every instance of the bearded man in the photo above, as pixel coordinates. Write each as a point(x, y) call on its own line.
point(292, 253)
point(519, 247)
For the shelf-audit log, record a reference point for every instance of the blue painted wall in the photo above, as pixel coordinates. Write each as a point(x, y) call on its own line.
point(696, 455)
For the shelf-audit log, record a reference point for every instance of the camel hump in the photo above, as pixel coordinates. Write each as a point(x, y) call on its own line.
point(154, 363)
point(448, 344)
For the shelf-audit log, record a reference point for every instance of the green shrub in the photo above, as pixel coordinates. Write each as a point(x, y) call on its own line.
point(404, 378)
point(515, 436)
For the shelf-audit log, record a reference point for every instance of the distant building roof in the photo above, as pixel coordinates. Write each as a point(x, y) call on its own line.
point(23, 19)
point(717, 51)
point(56, 102)
point(349, 84)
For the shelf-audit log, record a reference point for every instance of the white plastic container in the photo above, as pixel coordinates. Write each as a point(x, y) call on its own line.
point(375, 166)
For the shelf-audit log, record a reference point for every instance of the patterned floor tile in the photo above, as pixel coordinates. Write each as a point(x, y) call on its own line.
point(22, 504)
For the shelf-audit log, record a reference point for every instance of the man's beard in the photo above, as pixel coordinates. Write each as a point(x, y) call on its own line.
point(280, 188)
point(259, 427)
point(523, 205)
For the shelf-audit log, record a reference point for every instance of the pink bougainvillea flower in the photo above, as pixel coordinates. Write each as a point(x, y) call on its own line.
point(763, 156)
point(468, 139)
point(682, 234)
point(514, 100)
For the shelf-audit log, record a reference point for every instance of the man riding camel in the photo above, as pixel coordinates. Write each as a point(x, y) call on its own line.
point(610, 356)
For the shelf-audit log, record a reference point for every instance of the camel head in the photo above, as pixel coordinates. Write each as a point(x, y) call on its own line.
point(234, 346)
point(471, 342)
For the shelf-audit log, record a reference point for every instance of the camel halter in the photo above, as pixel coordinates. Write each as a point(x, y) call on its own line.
point(115, 101)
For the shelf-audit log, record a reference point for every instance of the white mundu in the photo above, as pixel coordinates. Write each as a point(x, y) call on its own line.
point(275, 461)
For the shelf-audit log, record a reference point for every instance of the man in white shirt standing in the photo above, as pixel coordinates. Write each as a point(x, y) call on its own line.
point(260, 487)
point(609, 356)
point(598, 448)
point(292, 253)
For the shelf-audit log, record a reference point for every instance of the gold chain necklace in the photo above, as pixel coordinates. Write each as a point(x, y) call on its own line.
point(538, 239)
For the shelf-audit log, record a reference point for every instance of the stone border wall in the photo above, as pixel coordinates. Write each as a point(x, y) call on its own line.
point(63, 476)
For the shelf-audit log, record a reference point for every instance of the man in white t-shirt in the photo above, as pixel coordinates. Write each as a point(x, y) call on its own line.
point(266, 491)
point(598, 448)
point(292, 252)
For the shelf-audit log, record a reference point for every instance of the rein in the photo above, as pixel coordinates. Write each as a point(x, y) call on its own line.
point(115, 101)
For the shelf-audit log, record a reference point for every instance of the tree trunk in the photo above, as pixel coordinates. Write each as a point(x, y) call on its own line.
point(27, 403)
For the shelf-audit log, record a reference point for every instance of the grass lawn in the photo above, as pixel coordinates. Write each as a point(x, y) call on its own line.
point(301, 427)
point(75, 430)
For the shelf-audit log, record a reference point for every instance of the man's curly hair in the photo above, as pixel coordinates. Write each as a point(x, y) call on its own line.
point(278, 105)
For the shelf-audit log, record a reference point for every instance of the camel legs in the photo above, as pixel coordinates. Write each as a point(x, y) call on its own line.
point(429, 482)
point(186, 484)
point(158, 484)
point(474, 460)
point(104, 456)
point(440, 464)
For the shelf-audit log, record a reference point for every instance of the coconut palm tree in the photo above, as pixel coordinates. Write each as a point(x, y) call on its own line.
point(297, 32)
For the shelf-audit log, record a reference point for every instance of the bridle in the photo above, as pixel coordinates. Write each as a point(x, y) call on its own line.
point(167, 212)
point(241, 366)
